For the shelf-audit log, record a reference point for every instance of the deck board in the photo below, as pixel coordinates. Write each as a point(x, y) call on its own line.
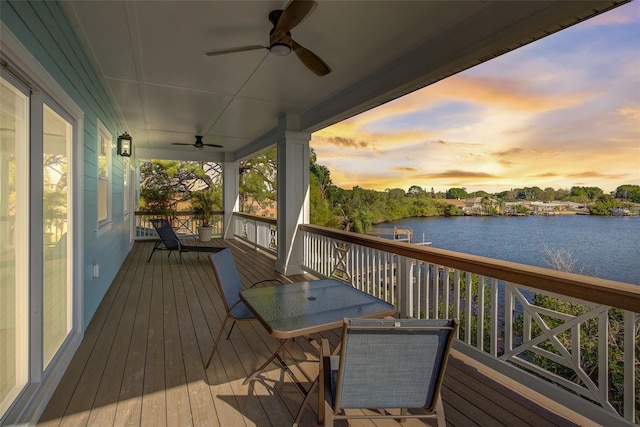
point(142, 356)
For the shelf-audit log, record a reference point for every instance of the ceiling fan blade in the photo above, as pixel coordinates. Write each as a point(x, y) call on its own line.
point(234, 50)
point(291, 16)
point(310, 59)
point(213, 145)
point(180, 143)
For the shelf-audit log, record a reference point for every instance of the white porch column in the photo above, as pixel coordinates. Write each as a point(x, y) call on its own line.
point(293, 198)
point(230, 197)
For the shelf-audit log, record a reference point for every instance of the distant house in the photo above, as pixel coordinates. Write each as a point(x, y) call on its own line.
point(460, 204)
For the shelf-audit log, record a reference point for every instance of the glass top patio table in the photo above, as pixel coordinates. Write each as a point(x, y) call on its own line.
point(296, 309)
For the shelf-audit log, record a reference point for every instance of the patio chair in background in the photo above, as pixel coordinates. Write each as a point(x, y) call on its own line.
point(170, 241)
point(229, 284)
point(386, 364)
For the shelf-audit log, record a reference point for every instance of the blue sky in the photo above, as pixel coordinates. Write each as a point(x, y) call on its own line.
point(559, 112)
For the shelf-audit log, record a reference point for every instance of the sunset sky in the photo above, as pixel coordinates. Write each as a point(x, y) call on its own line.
point(561, 112)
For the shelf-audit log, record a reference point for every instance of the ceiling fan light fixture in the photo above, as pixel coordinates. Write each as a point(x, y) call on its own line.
point(280, 49)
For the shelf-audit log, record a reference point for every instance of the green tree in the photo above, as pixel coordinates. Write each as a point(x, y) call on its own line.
point(321, 173)
point(452, 210)
point(628, 193)
point(395, 193)
point(529, 193)
point(163, 184)
point(490, 205)
point(548, 195)
point(585, 194)
point(258, 180)
point(205, 202)
point(604, 205)
point(457, 193)
point(417, 191)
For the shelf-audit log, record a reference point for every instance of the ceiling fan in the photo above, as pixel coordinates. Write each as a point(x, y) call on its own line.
point(280, 41)
point(198, 144)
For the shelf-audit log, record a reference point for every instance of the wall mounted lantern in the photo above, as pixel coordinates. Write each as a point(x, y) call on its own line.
point(124, 145)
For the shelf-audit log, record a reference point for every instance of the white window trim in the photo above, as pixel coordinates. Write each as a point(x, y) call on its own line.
point(105, 225)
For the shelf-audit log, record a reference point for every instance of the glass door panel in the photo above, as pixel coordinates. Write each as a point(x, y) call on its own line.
point(14, 245)
point(57, 292)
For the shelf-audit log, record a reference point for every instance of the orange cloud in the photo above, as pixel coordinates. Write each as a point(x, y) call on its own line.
point(456, 174)
point(545, 175)
point(404, 169)
point(342, 141)
point(512, 95)
point(592, 174)
point(631, 113)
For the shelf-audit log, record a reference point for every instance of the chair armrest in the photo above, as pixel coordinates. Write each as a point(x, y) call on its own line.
point(177, 241)
point(267, 280)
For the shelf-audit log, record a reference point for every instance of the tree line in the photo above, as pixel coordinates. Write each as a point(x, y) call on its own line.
point(358, 209)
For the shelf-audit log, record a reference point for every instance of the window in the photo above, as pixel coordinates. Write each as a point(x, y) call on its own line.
point(104, 178)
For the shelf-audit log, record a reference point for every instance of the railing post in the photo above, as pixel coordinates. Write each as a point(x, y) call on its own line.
point(404, 285)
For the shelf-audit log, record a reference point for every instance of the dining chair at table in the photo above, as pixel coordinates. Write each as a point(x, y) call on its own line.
point(386, 364)
point(230, 285)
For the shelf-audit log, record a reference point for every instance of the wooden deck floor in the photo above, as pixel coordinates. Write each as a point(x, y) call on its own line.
point(141, 360)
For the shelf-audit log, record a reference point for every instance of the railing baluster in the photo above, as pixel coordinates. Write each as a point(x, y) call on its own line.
point(468, 307)
point(456, 294)
point(434, 291)
point(404, 283)
point(481, 312)
point(493, 310)
point(509, 309)
point(447, 293)
point(417, 293)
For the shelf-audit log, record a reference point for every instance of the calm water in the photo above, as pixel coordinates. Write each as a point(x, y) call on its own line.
point(607, 247)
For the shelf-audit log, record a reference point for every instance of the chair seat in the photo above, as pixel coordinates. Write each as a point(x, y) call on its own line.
point(240, 311)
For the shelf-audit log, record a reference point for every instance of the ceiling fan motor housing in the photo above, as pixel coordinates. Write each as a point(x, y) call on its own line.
point(278, 48)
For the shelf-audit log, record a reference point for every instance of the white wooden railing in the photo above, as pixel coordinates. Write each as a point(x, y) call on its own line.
point(571, 337)
point(259, 231)
point(184, 222)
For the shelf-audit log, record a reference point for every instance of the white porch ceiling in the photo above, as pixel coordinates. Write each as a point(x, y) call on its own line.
point(150, 57)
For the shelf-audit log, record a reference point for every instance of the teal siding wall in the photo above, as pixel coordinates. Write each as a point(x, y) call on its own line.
point(44, 30)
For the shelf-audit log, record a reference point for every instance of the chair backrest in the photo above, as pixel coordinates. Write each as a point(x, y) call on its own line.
point(166, 233)
point(224, 267)
point(395, 363)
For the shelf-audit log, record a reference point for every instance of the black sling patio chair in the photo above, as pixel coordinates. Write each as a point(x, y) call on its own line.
point(169, 241)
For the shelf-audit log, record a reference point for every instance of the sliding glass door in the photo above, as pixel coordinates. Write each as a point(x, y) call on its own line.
point(36, 240)
point(14, 241)
point(56, 201)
